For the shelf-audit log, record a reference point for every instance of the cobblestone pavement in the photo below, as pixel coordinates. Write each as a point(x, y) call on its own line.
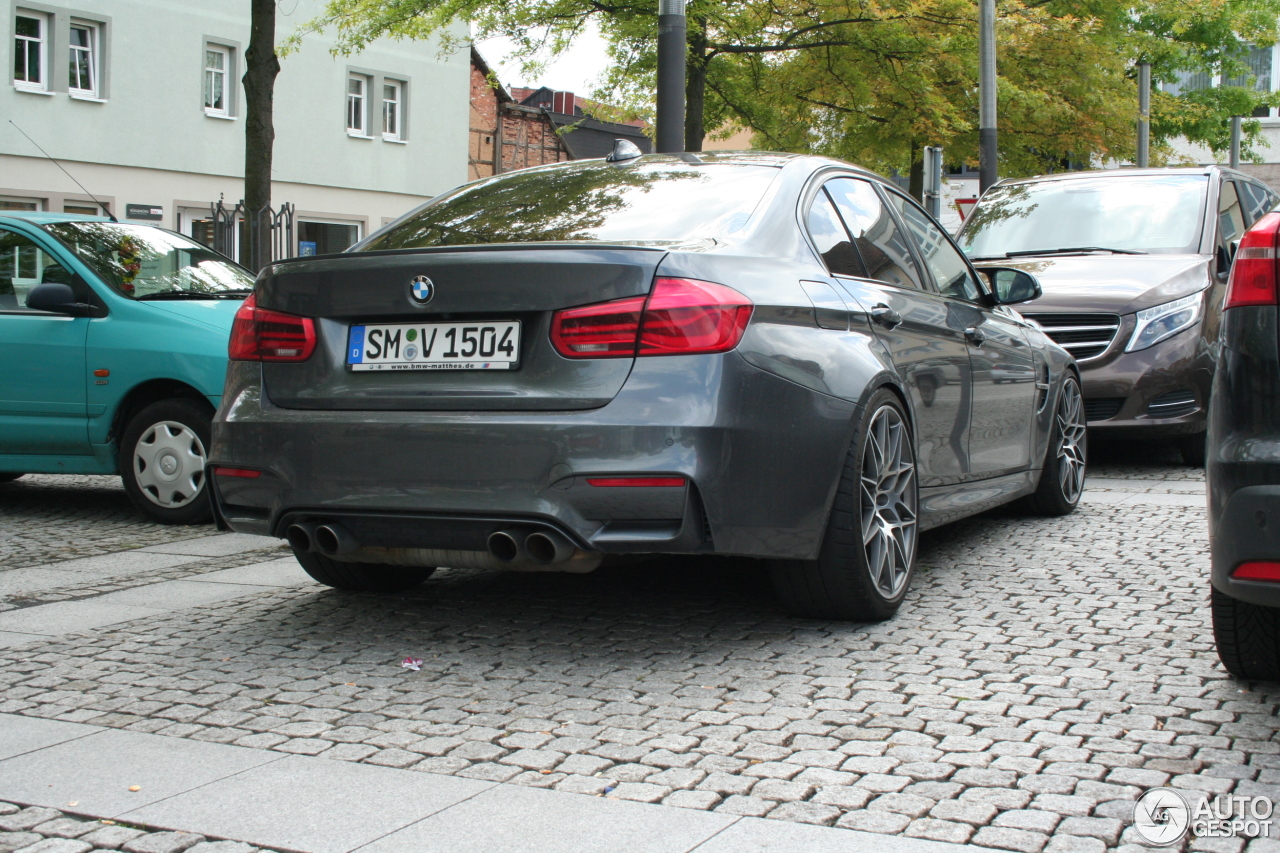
point(1041, 674)
point(48, 517)
point(39, 830)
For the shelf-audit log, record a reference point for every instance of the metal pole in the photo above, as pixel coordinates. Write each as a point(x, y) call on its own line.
point(672, 40)
point(988, 171)
point(933, 180)
point(1144, 114)
point(1235, 142)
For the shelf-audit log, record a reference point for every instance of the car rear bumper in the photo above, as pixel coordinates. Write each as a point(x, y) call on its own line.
point(1156, 392)
point(760, 454)
point(1243, 464)
point(1248, 529)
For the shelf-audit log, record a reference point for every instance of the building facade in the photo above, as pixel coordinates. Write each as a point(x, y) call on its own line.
point(506, 135)
point(140, 101)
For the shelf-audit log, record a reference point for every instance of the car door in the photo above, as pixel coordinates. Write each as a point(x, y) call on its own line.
point(868, 254)
point(1001, 361)
point(43, 384)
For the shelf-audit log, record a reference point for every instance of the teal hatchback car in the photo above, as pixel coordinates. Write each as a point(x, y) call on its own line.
point(113, 338)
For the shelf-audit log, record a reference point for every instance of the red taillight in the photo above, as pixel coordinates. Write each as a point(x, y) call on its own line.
point(604, 330)
point(680, 317)
point(684, 317)
point(1254, 272)
point(650, 482)
point(260, 334)
point(247, 473)
point(1258, 570)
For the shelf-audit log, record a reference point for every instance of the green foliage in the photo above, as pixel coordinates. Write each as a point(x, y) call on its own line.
point(875, 80)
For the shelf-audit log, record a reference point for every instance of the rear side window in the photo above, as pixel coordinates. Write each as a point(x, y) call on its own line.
point(948, 266)
point(1257, 200)
point(882, 246)
point(645, 202)
point(832, 240)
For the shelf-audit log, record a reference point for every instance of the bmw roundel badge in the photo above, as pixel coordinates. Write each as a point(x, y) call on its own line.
point(421, 289)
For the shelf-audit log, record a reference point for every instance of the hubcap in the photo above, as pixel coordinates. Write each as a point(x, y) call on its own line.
point(1072, 452)
point(888, 502)
point(168, 464)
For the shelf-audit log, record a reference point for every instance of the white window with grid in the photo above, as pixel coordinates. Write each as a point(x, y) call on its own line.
point(357, 105)
point(31, 52)
point(392, 110)
point(217, 94)
point(82, 77)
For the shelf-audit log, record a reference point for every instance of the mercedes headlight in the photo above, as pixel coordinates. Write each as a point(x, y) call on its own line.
point(1164, 321)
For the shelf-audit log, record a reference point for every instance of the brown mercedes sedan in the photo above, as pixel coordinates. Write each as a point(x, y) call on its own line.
point(1134, 265)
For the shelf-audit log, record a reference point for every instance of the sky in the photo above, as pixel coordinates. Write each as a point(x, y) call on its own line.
point(577, 70)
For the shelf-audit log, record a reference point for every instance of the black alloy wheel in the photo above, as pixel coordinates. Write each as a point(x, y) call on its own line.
point(1066, 460)
point(1247, 636)
point(868, 554)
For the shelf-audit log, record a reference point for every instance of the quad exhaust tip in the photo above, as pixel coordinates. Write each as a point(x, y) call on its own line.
point(521, 546)
point(334, 539)
point(301, 537)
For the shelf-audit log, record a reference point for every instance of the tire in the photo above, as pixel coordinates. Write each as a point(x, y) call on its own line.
point(869, 549)
point(9, 476)
point(1194, 449)
point(361, 577)
point(1247, 636)
point(171, 432)
point(1067, 457)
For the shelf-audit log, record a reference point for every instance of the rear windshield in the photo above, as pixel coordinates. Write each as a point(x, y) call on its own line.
point(638, 203)
point(1147, 213)
point(144, 262)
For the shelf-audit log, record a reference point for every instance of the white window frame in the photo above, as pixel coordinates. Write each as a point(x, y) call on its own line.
point(394, 132)
point(43, 41)
point(358, 102)
point(210, 73)
point(95, 52)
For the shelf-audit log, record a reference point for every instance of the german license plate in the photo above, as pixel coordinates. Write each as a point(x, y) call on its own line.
point(493, 345)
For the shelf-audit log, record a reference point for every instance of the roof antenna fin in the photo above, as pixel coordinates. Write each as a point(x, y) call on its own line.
point(105, 209)
point(623, 149)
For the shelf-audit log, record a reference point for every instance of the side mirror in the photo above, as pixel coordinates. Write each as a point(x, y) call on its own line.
point(57, 298)
point(1011, 286)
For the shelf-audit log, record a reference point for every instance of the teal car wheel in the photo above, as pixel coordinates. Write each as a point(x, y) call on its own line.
point(162, 461)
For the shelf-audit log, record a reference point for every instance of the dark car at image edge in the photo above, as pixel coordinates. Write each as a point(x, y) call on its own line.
point(769, 356)
point(1243, 469)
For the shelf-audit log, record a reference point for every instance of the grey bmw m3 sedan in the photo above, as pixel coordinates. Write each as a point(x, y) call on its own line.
point(764, 355)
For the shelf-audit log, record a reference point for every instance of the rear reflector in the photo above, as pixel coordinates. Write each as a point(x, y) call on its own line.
point(247, 473)
point(680, 316)
point(1254, 272)
point(260, 334)
point(650, 482)
point(1260, 570)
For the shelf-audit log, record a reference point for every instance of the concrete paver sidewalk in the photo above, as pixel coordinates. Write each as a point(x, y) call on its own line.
point(317, 805)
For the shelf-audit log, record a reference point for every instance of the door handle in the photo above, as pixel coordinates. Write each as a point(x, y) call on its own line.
point(886, 316)
point(975, 337)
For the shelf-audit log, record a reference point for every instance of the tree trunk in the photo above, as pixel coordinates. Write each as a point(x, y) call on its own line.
point(695, 86)
point(260, 69)
point(915, 185)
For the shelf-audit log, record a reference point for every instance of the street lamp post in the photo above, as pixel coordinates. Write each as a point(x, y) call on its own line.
point(987, 167)
point(672, 41)
point(1144, 114)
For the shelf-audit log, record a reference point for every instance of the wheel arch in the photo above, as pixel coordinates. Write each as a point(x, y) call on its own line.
point(144, 394)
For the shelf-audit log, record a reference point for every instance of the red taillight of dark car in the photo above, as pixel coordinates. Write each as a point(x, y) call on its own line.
point(260, 334)
point(681, 316)
point(1254, 274)
point(1258, 570)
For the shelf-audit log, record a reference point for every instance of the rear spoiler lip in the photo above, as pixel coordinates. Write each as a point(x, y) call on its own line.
point(483, 247)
